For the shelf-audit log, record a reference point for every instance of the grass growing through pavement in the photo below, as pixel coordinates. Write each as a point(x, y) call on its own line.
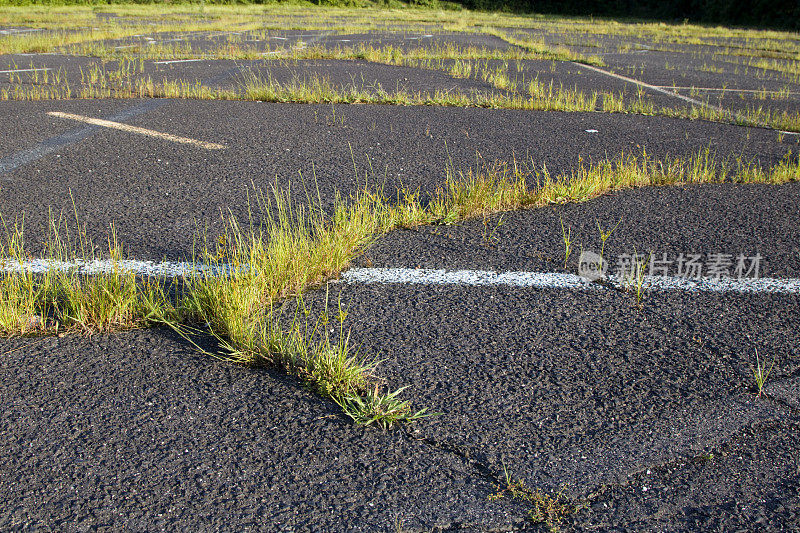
point(78, 30)
point(126, 79)
point(62, 298)
point(547, 509)
point(250, 273)
point(761, 374)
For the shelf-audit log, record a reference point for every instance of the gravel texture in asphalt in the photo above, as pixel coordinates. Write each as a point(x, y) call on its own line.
point(706, 219)
point(645, 414)
point(158, 193)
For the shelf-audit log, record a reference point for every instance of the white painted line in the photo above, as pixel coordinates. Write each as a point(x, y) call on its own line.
point(125, 46)
point(299, 46)
point(13, 31)
point(145, 268)
point(533, 280)
point(221, 33)
point(141, 131)
point(552, 280)
point(661, 90)
point(176, 61)
point(22, 70)
point(653, 87)
point(727, 90)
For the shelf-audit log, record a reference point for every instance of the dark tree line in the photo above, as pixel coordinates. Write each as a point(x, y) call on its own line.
point(755, 13)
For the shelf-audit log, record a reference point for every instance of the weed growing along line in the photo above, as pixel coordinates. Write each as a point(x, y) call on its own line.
point(126, 79)
point(62, 300)
point(254, 269)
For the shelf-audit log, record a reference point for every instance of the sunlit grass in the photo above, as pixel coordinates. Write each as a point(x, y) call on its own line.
point(250, 273)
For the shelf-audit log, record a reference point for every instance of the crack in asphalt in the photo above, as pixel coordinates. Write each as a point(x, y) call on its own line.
point(705, 457)
point(479, 468)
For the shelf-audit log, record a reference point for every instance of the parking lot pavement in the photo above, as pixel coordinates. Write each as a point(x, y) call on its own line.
point(642, 411)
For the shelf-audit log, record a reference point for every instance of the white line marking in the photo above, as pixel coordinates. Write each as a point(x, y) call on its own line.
point(653, 87)
point(176, 61)
point(661, 90)
point(13, 31)
point(725, 90)
point(22, 70)
point(301, 45)
point(552, 280)
point(534, 280)
point(134, 129)
point(145, 268)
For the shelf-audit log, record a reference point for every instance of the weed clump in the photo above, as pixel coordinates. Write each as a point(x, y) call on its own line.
point(233, 286)
point(547, 509)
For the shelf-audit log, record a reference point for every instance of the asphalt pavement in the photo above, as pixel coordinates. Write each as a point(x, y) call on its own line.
point(644, 413)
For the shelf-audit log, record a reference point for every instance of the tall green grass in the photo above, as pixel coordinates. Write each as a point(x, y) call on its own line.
point(254, 269)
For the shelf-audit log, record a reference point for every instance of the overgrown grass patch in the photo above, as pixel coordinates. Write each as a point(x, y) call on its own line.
point(240, 283)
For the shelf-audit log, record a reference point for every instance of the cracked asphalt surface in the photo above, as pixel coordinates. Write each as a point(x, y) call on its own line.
point(646, 416)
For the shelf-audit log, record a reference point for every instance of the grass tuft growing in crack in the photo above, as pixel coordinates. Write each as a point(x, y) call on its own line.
point(547, 509)
point(251, 269)
point(66, 294)
point(255, 267)
point(761, 374)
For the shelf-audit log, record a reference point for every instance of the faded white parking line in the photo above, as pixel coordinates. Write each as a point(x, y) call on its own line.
point(22, 70)
point(301, 45)
point(13, 31)
point(166, 269)
point(656, 88)
point(53, 144)
point(142, 131)
point(662, 90)
point(726, 90)
point(176, 61)
point(415, 276)
point(555, 280)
